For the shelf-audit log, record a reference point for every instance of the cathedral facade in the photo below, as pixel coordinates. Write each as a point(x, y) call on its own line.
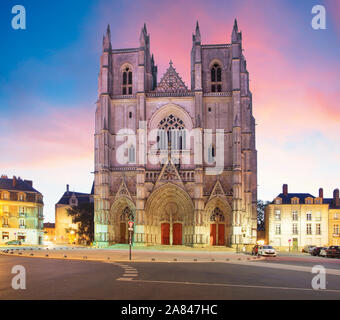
point(179, 162)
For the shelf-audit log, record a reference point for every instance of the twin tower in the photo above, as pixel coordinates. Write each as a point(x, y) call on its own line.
point(179, 162)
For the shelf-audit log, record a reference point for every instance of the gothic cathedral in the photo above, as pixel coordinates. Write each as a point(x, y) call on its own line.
point(180, 163)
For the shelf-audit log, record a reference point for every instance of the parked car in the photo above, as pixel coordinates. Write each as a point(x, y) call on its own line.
point(255, 250)
point(316, 251)
point(13, 242)
point(308, 248)
point(333, 252)
point(323, 252)
point(266, 251)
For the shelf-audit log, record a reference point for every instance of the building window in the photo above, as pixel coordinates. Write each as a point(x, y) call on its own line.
point(295, 216)
point(171, 133)
point(309, 201)
point(5, 236)
point(318, 216)
point(295, 201)
point(216, 78)
point(211, 154)
point(21, 222)
point(277, 215)
point(318, 229)
point(5, 221)
point(21, 211)
point(336, 216)
point(132, 154)
point(309, 228)
point(130, 115)
point(21, 197)
point(278, 229)
point(5, 196)
point(336, 229)
point(295, 228)
point(309, 216)
point(127, 81)
point(278, 201)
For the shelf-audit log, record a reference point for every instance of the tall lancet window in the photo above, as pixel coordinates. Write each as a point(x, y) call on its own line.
point(216, 78)
point(171, 134)
point(127, 81)
point(132, 154)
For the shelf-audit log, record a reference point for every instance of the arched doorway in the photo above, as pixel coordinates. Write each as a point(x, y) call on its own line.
point(169, 216)
point(217, 228)
point(218, 222)
point(122, 211)
point(126, 216)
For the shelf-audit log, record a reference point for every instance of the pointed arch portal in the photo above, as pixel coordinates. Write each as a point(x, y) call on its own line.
point(169, 216)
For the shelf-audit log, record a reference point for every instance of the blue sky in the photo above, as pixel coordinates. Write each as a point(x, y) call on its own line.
point(48, 84)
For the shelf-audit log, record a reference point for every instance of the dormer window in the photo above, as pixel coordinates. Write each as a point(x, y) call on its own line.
point(295, 200)
point(278, 201)
point(21, 197)
point(309, 200)
point(127, 81)
point(216, 78)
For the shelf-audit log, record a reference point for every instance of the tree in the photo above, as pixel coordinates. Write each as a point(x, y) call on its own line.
point(260, 213)
point(83, 214)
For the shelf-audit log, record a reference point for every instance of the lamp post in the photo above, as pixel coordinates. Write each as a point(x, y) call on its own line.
point(130, 237)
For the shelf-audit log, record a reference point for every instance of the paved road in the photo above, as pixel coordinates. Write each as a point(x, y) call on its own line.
point(60, 279)
point(304, 260)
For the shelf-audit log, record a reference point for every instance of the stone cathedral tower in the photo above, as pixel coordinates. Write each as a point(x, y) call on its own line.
point(181, 163)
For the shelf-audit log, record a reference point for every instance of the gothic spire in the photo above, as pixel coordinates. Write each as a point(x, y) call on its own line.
point(197, 36)
point(107, 39)
point(235, 36)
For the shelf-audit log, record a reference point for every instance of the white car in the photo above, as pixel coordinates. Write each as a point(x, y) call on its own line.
point(267, 251)
point(323, 252)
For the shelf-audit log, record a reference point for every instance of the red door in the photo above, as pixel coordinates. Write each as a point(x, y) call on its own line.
point(165, 233)
point(213, 234)
point(221, 234)
point(122, 232)
point(177, 234)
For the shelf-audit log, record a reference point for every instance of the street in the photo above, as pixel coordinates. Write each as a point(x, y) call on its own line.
point(72, 279)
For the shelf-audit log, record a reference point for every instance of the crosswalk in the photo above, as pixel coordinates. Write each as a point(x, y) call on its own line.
point(129, 272)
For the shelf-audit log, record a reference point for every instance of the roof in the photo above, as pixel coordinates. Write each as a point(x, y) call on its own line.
point(81, 197)
point(286, 199)
point(49, 225)
point(330, 201)
point(20, 185)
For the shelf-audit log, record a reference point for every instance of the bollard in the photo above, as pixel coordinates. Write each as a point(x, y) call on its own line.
point(84, 257)
point(153, 259)
point(227, 259)
point(32, 254)
point(175, 259)
point(195, 259)
point(212, 259)
point(108, 258)
point(46, 255)
point(65, 256)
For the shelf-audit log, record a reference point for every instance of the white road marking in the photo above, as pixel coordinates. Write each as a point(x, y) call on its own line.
point(232, 285)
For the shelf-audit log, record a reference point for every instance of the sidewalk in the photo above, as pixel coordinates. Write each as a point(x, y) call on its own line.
point(138, 255)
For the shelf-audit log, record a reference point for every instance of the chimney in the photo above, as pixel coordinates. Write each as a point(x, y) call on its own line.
point(14, 181)
point(336, 199)
point(67, 188)
point(285, 189)
point(321, 193)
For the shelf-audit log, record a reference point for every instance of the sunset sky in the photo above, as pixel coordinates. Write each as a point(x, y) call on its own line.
point(48, 83)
